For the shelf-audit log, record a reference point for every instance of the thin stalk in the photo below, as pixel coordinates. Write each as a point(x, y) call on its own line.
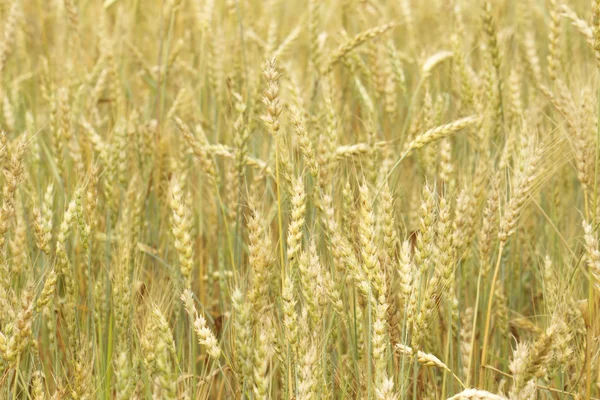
point(415, 375)
point(227, 233)
point(109, 350)
point(14, 392)
point(447, 348)
point(279, 217)
point(473, 329)
point(369, 343)
point(488, 316)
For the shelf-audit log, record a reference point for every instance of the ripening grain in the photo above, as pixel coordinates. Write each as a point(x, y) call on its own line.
point(338, 199)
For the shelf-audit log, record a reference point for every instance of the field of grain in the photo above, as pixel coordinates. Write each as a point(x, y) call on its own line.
point(301, 199)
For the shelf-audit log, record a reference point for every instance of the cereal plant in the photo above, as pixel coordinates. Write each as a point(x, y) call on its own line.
point(302, 199)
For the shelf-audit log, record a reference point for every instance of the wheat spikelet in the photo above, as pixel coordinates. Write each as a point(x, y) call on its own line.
point(582, 26)
point(440, 132)
point(422, 357)
point(592, 253)
point(352, 43)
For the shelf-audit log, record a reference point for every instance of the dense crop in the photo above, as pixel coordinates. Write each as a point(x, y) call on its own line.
point(299, 199)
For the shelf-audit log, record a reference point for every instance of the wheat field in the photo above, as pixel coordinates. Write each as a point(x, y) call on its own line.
point(302, 199)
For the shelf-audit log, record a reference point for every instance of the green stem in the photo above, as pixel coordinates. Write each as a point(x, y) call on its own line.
point(488, 316)
point(14, 394)
point(279, 216)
